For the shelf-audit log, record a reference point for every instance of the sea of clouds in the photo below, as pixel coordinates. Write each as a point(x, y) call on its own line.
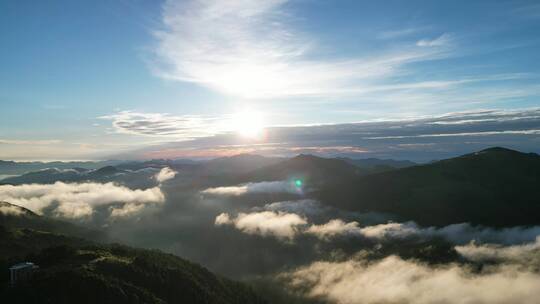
point(78, 201)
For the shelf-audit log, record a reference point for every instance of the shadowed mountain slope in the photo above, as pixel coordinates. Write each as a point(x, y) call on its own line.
point(309, 168)
point(495, 187)
point(16, 217)
point(74, 270)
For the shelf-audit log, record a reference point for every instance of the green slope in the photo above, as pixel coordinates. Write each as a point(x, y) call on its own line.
point(120, 274)
point(75, 270)
point(24, 218)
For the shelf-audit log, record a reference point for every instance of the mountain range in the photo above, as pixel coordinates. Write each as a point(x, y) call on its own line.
point(494, 187)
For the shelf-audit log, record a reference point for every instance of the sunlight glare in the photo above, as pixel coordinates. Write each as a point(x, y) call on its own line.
point(248, 124)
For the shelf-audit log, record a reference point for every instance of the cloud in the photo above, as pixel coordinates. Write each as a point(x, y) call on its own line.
point(259, 187)
point(388, 231)
point(223, 219)
point(486, 133)
point(249, 49)
point(417, 138)
point(305, 207)
point(456, 233)
point(393, 280)
point(524, 253)
point(126, 210)
point(226, 191)
point(165, 174)
point(442, 40)
point(393, 34)
point(76, 200)
point(307, 210)
point(267, 223)
point(166, 125)
point(11, 210)
point(334, 228)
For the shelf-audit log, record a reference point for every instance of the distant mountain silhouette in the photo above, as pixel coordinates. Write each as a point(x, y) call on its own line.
point(140, 178)
point(17, 168)
point(495, 187)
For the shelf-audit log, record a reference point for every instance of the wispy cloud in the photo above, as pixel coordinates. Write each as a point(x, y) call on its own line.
point(259, 187)
point(399, 33)
point(165, 125)
point(442, 40)
point(486, 133)
point(249, 49)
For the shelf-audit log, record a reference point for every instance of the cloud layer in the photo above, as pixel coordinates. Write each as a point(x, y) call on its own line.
point(455, 233)
point(10, 210)
point(393, 280)
point(416, 138)
point(79, 200)
point(165, 125)
point(307, 210)
point(520, 254)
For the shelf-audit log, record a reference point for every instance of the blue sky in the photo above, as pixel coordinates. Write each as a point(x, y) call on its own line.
point(101, 79)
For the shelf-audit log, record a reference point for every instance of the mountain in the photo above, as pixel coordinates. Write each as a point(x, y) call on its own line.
point(308, 168)
point(46, 176)
point(179, 164)
point(16, 217)
point(495, 187)
point(17, 168)
point(237, 164)
point(140, 178)
point(376, 165)
point(75, 270)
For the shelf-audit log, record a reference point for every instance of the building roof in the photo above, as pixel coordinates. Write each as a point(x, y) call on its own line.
point(21, 266)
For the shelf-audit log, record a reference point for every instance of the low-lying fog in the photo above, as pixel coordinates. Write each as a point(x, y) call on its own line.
point(275, 231)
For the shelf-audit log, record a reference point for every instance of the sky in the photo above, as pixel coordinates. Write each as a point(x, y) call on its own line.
point(199, 79)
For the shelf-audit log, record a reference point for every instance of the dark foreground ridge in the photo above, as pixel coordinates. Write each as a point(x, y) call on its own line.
point(75, 270)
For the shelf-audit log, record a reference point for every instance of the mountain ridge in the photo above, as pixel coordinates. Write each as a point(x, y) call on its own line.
point(477, 187)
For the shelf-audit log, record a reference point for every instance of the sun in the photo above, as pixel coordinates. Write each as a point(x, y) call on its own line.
point(249, 124)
